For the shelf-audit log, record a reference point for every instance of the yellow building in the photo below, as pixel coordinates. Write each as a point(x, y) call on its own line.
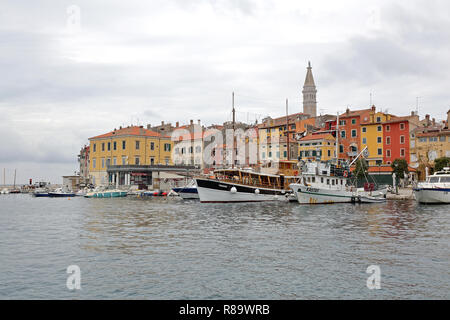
point(372, 136)
point(317, 146)
point(127, 146)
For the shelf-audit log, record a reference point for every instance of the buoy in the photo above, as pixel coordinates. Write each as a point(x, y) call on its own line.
point(233, 190)
point(257, 191)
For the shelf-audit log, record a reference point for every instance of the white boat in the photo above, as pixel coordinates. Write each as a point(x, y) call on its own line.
point(4, 191)
point(436, 189)
point(238, 185)
point(187, 192)
point(324, 182)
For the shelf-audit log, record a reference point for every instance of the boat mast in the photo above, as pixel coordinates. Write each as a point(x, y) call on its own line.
point(14, 178)
point(287, 129)
point(234, 140)
point(337, 138)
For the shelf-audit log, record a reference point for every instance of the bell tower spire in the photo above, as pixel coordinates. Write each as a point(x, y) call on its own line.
point(309, 93)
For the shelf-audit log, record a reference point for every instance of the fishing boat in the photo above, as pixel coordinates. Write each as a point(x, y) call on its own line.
point(325, 182)
point(61, 193)
point(436, 188)
point(187, 192)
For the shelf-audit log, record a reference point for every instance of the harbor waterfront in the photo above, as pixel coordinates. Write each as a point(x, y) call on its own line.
point(167, 248)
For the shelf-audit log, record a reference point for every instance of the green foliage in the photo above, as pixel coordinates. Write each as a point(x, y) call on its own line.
point(441, 163)
point(399, 167)
point(361, 168)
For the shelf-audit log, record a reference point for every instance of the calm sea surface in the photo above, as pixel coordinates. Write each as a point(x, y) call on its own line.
point(131, 248)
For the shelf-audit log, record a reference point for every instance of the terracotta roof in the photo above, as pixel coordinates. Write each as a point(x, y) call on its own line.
point(355, 113)
point(434, 133)
point(129, 131)
point(399, 119)
point(319, 136)
point(276, 122)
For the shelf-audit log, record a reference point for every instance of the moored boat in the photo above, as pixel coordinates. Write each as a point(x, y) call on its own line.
point(436, 189)
point(239, 185)
point(60, 193)
point(106, 194)
point(187, 192)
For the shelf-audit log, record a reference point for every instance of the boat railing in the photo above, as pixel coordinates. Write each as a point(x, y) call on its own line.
point(250, 182)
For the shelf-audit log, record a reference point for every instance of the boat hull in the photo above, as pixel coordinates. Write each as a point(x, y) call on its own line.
point(214, 191)
point(432, 195)
point(187, 193)
point(60, 195)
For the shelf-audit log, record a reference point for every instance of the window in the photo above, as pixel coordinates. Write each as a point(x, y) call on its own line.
point(114, 145)
point(380, 151)
point(264, 155)
point(379, 128)
point(94, 163)
point(422, 139)
point(108, 162)
point(402, 139)
point(364, 140)
point(166, 161)
point(109, 146)
point(124, 160)
point(114, 161)
point(364, 129)
point(191, 149)
point(285, 154)
point(378, 119)
point(343, 134)
point(433, 139)
point(198, 149)
point(137, 161)
point(379, 140)
point(342, 123)
point(103, 146)
point(152, 160)
point(270, 154)
point(353, 133)
point(95, 147)
point(137, 144)
point(353, 121)
point(341, 148)
point(167, 147)
point(329, 153)
point(388, 128)
point(402, 152)
point(152, 146)
point(402, 126)
point(388, 153)
point(124, 144)
point(103, 162)
point(388, 140)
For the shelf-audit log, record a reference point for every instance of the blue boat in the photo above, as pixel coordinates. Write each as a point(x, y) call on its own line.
point(187, 192)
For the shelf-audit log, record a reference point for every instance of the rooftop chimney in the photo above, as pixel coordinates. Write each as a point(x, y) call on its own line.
point(434, 121)
point(347, 111)
point(198, 121)
point(373, 108)
point(192, 122)
point(427, 118)
point(177, 124)
point(149, 126)
point(162, 123)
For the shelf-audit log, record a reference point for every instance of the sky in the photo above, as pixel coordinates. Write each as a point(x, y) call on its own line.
point(70, 70)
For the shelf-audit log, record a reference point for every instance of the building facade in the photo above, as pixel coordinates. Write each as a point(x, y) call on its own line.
point(132, 145)
point(321, 146)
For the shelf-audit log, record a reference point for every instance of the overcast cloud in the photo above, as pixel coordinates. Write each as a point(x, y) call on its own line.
point(143, 62)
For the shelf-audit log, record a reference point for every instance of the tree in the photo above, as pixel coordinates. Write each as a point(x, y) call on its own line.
point(361, 169)
point(441, 163)
point(399, 167)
